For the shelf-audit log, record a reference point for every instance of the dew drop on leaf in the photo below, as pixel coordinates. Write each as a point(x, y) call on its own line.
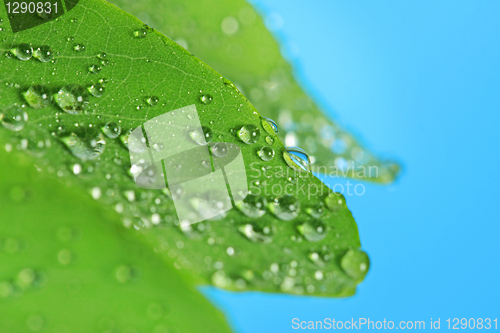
point(22, 51)
point(44, 53)
point(334, 201)
point(71, 98)
point(94, 69)
point(285, 208)
point(37, 97)
point(266, 153)
point(269, 125)
point(313, 231)
point(256, 234)
point(269, 140)
point(206, 99)
point(13, 118)
point(249, 134)
point(89, 149)
point(78, 48)
point(219, 149)
point(297, 158)
point(152, 100)
point(316, 211)
point(253, 206)
point(97, 89)
point(112, 130)
point(355, 263)
point(140, 33)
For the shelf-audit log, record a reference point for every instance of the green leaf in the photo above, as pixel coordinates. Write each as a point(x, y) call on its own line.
point(110, 74)
point(67, 266)
point(231, 37)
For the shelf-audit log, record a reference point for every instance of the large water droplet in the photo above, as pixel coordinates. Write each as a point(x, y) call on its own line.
point(313, 231)
point(13, 118)
point(22, 51)
point(97, 89)
point(335, 201)
point(37, 97)
point(206, 99)
point(71, 98)
point(253, 206)
point(297, 158)
point(112, 130)
point(86, 149)
point(266, 153)
point(355, 263)
point(201, 137)
point(285, 208)
point(44, 53)
point(256, 234)
point(249, 134)
point(269, 126)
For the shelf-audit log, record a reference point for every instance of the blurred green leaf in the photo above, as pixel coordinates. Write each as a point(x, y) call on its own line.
point(110, 74)
point(67, 266)
point(231, 37)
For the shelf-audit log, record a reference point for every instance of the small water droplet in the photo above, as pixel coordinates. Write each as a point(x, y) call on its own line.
point(266, 153)
point(269, 126)
point(140, 33)
point(206, 99)
point(269, 140)
point(65, 257)
point(101, 55)
point(97, 89)
point(78, 48)
point(37, 97)
point(22, 51)
point(256, 234)
point(286, 207)
point(297, 158)
point(112, 130)
point(219, 149)
point(253, 206)
point(249, 134)
point(313, 231)
point(94, 69)
point(44, 53)
point(72, 98)
point(152, 100)
point(201, 137)
point(335, 201)
point(316, 211)
point(356, 264)
point(13, 118)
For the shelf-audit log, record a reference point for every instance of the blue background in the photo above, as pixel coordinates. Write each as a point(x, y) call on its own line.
point(420, 80)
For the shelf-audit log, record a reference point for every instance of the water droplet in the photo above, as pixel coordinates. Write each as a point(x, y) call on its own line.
point(229, 25)
point(78, 48)
point(37, 97)
point(112, 130)
point(94, 69)
point(269, 140)
point(219, 149)
point(356, 264)
point(44, 53)
point(285, 208)
point(335, 201)
point(313, 231)
point(297, 158)
point(266, 153)
point(249, 134)
point(256, 233)
point(316, 210)
point(22, 51)
point(269, 126)
point(71, 98)
point(140, 33)
point(253, 206)
point(201, 136)
point(86, 149)
point(13, 118)
point(206, 99)
point(101, 55)
point(152, 100)
point(97, 89)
